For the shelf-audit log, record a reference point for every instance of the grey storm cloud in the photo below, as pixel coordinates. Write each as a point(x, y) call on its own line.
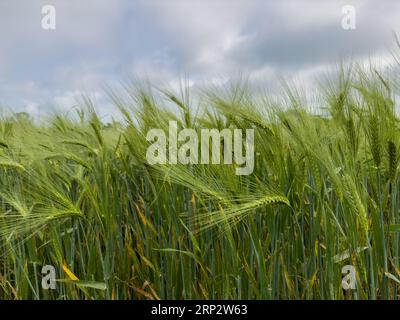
point(286, 47)
point(99, 42)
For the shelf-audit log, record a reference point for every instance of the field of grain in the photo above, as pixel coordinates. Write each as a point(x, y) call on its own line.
point(78, 194)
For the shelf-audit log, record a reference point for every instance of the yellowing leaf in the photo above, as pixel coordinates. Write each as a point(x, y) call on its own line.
point(69, 273)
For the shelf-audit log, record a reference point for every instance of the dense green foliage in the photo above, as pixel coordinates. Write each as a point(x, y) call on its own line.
point(79, 195)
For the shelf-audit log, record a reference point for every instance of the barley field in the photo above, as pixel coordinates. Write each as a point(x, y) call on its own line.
point(78, 194)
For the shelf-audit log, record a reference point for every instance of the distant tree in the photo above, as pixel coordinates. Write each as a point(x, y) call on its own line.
point(22, 116)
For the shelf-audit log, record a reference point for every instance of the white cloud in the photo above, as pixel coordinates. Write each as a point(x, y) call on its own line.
point(99, 42)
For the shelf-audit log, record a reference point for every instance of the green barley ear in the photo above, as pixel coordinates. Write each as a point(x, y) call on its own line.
point(356, 204)
point(392, 154)
point(374, 140)
point(352, 136)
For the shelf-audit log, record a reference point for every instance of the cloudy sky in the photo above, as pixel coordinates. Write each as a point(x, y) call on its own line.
point(102, 42)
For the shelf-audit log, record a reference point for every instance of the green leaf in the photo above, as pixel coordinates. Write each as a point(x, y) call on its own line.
point(392, 277)
point(346, 254)
point(86, 284)
point(394, 228)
